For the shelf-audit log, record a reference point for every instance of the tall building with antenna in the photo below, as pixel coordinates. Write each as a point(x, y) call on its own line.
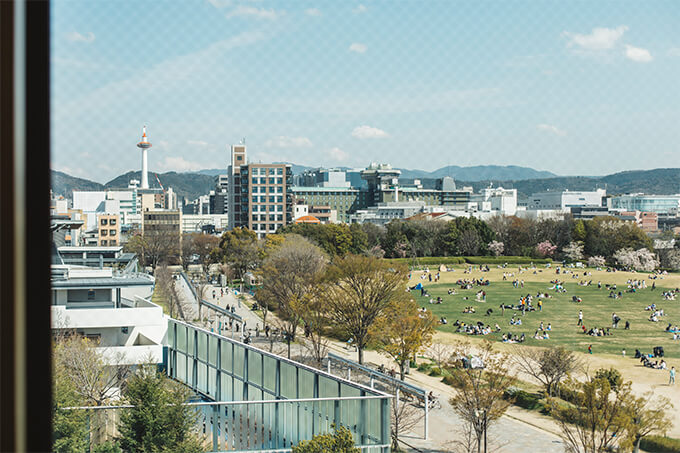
point(144, 145)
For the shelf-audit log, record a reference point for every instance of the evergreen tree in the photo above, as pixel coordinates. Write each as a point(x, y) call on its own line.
point(158, 420)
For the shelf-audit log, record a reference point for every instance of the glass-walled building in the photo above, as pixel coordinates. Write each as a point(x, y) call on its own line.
point(662, 204)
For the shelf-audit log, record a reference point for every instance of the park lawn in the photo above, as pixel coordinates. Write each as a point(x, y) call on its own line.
point(559, 310)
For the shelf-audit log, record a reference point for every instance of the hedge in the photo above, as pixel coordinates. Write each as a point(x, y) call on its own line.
point(523, 399)
point(660, 444)
point(491, 260)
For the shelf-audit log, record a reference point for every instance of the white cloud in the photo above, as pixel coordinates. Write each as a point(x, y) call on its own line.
point(197, 143)
point(360, 9)
point(220, 3)
point(553, 129)
point(337, 154)
point(316, 12)
point(257, 13)
point(178, 164)
point(599, 39)
point(288, 142)
point(74, 36)
point(638, 54)
point(358, 47)
point(368, 132)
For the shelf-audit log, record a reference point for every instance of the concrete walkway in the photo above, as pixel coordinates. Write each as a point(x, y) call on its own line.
point(518, 430)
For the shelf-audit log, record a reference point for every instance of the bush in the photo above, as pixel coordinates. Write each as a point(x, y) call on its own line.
point(505, 259)
point(660, 444)
point(425, 367)
point(435, 371)
point(523, 399)
point(490, 260)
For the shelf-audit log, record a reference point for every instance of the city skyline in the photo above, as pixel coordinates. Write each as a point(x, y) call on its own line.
point(573, 89)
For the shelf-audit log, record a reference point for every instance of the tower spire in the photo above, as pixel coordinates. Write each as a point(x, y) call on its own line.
point(144, 145)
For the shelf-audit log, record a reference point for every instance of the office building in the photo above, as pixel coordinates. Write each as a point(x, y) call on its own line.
point(260, 196)
point(219, 198)
point(109, 230)
point(561, 200)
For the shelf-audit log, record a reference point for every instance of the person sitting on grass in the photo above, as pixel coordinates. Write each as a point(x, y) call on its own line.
point(549, 328)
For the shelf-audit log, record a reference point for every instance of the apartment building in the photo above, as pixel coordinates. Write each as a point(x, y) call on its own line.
point(108, 226)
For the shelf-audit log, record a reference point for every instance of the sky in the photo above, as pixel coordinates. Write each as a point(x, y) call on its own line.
point(576, 88)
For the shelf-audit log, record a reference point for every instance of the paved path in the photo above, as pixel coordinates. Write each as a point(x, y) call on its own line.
point(507, 435)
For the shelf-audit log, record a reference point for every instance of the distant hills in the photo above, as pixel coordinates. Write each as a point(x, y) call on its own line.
point(479, 173)
point(661, 181)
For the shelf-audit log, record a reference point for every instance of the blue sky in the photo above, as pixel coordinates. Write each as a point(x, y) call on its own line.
point(576, 88)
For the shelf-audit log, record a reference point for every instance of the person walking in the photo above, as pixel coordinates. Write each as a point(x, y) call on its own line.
point(671, 378)
point(540, 305)
point(590, 349)
point(580, 318)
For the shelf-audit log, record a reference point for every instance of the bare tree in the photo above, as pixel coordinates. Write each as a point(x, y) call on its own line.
point(404, 414)
point(359, 290)
point(440, 353)
point(548, 366)
point(290, 274)
point(78, 359)
point(316, 322)
point(481, 376)
point(650, 415)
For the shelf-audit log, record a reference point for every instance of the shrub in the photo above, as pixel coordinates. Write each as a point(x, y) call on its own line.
point(523, 399)
point(660, 444)
point(435, 371)
point(423, 367)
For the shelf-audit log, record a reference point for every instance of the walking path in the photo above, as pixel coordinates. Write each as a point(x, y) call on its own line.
point(517, 430)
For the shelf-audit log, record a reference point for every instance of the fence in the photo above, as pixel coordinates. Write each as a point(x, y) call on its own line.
point(265, 402)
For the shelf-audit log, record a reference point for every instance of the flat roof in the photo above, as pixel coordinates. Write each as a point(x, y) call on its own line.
point(92, 248)
point(101, 282)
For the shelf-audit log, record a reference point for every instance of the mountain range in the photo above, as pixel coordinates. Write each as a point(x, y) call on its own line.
point(661, 181)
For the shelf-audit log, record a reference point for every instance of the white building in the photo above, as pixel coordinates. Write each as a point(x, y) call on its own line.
point(496, 200)
point(114, 309)
point(193, 223)
point(567, 199)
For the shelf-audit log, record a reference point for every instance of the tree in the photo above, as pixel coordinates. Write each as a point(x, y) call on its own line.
point(316, 321)
point(340, 441)
point(545, 248)
point(240, 249)
point(548, 366)
point(480, 400)
point(158, 420)
point(77, 359)
point(404, 415)
point(573, 251)
point(82, 378)
point(440, 353)
point(155, 246)
point(597, 420)
point(358, 290)
point(596, 261)
point(201, 245)
point(69, 427)
point(402, 331)
point(496, 248)
point(670, 259)
point(579, 232)
point(639, 260)
point(649, 415)
point(290, 277)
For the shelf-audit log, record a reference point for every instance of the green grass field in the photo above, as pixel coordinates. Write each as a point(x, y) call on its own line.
point(560, 310)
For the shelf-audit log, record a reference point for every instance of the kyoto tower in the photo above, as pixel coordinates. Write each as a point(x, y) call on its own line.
point(144, 145)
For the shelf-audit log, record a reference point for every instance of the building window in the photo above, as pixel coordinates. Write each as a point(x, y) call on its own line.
point(104, 222)
point(112, 242)
point(105, 232)
point(90, 294)
point(112, 232)
point(279, 171)
point(104, 242)
point(113, 222)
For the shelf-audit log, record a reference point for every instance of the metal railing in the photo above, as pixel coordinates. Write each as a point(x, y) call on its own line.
point(265, 402)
